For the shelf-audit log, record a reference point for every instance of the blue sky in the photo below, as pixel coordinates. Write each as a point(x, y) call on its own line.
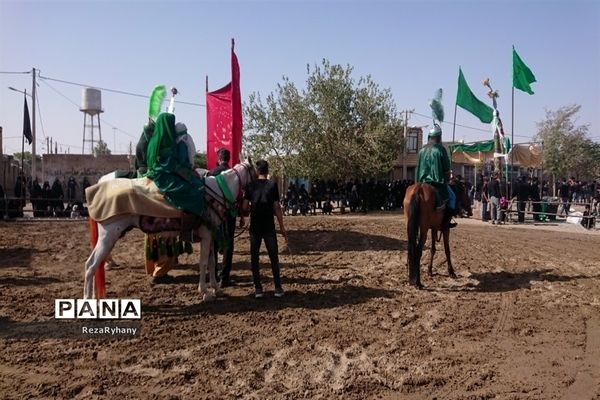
point(413, 48)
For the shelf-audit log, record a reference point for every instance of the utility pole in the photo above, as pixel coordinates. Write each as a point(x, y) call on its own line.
point(33, 98)
point(404, 152)
point(114, 139)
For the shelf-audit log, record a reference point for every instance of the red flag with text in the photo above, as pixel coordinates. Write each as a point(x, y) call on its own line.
point(224, 118)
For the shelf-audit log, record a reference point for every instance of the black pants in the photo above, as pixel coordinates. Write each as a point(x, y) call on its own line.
point(270, 239)
point(228, 255)
point(521, 210)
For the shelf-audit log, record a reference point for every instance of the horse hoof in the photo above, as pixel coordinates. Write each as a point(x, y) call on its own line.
point(219, 292)
point(207, 298)
point(452, 275)
point(430, 273)
point(418, 285)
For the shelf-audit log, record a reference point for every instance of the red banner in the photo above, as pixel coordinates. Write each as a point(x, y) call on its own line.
point(224, 118)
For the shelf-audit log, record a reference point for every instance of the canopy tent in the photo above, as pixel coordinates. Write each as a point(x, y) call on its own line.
point(527, 155)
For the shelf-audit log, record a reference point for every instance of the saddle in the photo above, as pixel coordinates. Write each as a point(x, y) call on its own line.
point(187, 226)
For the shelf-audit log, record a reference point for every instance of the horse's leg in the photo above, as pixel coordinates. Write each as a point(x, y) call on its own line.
point(212, 270)
point(447, 250)
point(422, 240)
point(430, 267)
point(107, 237)
point(205, 253)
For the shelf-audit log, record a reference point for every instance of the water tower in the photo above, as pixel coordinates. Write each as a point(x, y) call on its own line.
point(91, 106)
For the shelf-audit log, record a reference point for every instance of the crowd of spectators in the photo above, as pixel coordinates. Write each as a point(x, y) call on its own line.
point(47, 200)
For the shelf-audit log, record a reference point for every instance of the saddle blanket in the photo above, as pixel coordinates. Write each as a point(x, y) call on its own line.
point(120, 196)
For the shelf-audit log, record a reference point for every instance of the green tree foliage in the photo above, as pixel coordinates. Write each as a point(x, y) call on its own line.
point(337, 127)
point(200, 160)
point(567, 148)
point(27, 157)
point(101, 148)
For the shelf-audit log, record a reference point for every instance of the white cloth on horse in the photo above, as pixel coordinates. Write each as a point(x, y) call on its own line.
point(128, 196)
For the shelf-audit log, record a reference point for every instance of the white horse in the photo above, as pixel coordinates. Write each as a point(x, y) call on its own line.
point(109, 231)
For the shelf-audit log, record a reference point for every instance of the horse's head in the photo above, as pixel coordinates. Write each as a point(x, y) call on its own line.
point(246, 172)
point(462, 196)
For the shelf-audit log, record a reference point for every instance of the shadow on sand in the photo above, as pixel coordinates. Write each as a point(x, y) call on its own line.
point(339, 296)
point(16, 257)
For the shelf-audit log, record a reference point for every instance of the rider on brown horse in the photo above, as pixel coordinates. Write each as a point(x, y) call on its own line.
point(434, 169)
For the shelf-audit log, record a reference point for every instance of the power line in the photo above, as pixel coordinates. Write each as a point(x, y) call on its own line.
point(15, 72)
point(115, 90)
point(77, 105)
point(37, 100)
point(469, 127)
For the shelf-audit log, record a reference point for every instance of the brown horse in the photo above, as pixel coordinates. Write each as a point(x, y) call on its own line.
point(421, 215)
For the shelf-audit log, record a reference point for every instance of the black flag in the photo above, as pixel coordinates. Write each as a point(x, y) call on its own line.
point(27, 124)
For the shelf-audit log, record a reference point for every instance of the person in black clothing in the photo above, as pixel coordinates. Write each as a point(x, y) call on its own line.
point(224, 157)
point(58, 195)
point(494, 196)
point(84, 186)
point(564, 194)
point(262, 199)
point(72, 190)
point(534, 193)
point(522, 197)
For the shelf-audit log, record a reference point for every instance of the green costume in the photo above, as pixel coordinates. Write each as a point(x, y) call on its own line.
point(172, 175)
point(433, 168)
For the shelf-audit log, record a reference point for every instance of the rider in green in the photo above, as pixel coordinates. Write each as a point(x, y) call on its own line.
point(172, 173)
point(434, 169)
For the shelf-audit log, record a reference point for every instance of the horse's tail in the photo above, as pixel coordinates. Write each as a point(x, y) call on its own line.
point(100, 279)
point(414, 258)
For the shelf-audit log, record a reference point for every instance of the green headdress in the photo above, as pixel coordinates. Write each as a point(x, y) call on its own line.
point(437, 111)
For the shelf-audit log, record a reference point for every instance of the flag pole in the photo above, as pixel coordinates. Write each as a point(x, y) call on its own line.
point(23, 143)
point(453, 131)
point(206, 90)
point(512, 141)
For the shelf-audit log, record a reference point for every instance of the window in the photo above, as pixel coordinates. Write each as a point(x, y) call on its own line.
point(412, 142)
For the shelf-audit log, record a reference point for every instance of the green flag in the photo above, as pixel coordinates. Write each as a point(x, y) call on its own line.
point(467, 100)
point(522, 75)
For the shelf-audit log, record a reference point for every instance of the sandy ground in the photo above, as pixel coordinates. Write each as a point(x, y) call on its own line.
point(522, 321)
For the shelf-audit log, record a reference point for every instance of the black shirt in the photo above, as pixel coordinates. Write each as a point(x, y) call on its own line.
point(262, 194)
point(218, 169)
point(494, 188)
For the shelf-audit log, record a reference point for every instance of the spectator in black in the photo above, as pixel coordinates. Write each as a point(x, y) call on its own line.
point(20, 190)
point(588, 219)
point(72, 190)
point(522, 197)
point(262, 199)
point(564, 194)
point(225, 278)
point(534, 193)
point(494, 196)
point(37, 201)
point(47, 199)
point(58, 195)
point(84, 186)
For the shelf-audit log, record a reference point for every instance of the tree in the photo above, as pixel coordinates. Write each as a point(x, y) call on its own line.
point(27, 157)
point(567, 149)
point(335, 128)
point(200, 160)
point(101, 148)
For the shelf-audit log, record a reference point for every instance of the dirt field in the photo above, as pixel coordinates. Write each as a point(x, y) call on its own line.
point(522, 321)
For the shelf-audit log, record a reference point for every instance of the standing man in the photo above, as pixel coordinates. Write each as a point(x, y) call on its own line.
point(224, 157)
point(262, 198)
point(494, 195)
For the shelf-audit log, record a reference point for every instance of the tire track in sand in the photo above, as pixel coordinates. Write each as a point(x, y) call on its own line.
point(587, 380)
